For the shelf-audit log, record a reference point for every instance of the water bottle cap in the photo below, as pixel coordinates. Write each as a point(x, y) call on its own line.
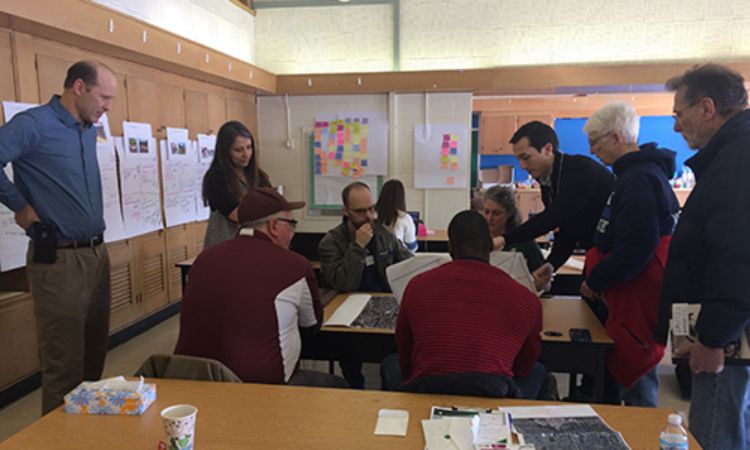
point(675, 419)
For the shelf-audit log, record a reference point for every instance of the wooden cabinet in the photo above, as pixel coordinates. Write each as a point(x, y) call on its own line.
point(180, 246)
point(151, 269)
point(7, 86)
point(19, 349)
point(529, 201)
point(204, 113)
point(199, 233)
point(495, 133)
point(159, 103)
point(125, 307)
point(496, 130)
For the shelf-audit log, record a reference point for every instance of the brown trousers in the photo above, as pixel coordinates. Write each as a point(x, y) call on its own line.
point(72, 303)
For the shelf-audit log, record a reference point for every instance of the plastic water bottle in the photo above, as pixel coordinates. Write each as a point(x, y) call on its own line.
point(674, 437)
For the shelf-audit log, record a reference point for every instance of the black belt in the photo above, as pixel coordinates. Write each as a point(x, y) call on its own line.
point(91, 243)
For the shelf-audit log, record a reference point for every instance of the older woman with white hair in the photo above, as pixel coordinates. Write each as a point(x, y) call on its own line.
point(626, 264)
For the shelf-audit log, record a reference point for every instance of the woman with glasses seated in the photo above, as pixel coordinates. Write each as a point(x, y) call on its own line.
point(233, 171)
point(502, 216)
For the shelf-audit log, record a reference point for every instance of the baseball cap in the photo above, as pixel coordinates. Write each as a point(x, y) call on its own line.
point(262, 202)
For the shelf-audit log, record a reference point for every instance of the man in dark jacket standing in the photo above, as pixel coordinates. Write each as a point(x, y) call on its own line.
point(625, 268)
point(574, 191)
point(709, 259)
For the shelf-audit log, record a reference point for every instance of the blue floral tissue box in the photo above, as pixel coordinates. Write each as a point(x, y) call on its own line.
point(111, 396)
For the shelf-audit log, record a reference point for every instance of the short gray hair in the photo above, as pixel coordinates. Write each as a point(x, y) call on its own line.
point(259, 223)
point(616, 116)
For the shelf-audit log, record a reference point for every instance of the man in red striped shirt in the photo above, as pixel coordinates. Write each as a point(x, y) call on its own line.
point(467, 316)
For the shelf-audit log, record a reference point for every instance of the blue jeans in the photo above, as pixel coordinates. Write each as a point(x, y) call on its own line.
point(719, 409)
point(645, 391)
point(531, 384)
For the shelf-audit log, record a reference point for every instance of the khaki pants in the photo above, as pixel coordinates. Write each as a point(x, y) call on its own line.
point(72, 303)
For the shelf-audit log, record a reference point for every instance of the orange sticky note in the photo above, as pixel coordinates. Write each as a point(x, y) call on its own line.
point(450, 181)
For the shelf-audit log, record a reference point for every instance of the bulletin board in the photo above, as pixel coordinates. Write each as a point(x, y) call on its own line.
point(325, 190)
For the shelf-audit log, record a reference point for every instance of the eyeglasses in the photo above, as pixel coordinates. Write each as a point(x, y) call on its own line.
point(292, 222)
point(677, 114)
point(593, 143)
point(371, 209)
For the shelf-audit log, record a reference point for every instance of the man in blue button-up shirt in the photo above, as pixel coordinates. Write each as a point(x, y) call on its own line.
point(56, 195)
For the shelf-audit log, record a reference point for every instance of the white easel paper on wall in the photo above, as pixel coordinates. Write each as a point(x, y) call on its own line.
point(206, 150)
point(178, 181)
point(141, 197)
point(13, 239)
point(441, 156)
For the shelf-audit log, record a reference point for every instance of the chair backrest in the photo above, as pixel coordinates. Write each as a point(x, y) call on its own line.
point(475, 384)
point(183, 367)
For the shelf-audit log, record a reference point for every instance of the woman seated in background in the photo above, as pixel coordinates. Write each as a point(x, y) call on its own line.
point(502, 216)
point(391, 210)
point(233, 171)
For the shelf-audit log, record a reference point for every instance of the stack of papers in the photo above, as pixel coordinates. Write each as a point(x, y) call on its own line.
point(366, 311)
point(467, 429)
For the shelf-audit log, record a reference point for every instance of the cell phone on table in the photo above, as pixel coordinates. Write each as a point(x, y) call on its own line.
point(579, 335)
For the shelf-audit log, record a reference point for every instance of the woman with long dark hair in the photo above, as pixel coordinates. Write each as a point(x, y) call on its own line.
point(391, 209)
point(233, 171)
point(502, 216)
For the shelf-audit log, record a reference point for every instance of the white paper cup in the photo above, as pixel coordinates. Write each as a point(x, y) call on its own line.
point(179, 424)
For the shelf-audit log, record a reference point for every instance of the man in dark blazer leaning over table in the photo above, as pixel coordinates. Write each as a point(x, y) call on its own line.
point(709, 258)
point(355, 254)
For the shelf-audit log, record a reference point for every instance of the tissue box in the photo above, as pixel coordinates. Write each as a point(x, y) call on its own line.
point(105, 397)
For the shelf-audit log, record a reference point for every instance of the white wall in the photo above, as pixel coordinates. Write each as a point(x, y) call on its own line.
point(443, 34)
point(325, 39)
point(218, 24)
point(291, 167)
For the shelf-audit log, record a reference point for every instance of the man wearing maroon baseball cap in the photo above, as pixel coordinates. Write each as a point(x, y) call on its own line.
point(250, 301)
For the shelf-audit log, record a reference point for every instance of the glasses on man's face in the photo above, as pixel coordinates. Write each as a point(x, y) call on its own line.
point(292, 222)
point(593, 143)
point(677, 114)
point(363, 211)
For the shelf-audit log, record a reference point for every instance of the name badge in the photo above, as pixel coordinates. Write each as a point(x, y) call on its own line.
point(369, 260)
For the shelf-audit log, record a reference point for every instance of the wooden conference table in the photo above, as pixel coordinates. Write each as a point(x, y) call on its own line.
point(558, 353)
point(255, 416)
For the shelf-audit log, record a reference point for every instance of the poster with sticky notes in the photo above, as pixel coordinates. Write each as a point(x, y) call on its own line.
point(352, 145)
point(441, 156)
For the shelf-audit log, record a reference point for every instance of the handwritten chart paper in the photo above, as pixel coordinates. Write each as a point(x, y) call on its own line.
point(441, 156)
point(206, 150)
point(141, 202)
point(351, 146)
point(13, 239)
point(179, 183)
point(115, 226)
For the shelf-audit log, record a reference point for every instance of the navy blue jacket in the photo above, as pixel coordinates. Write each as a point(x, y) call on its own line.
point(709, 259)
point(640, 210)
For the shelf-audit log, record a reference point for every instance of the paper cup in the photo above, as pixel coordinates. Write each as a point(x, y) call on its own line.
point(179, 424)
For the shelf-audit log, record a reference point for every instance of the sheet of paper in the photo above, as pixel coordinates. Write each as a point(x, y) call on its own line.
point(177, 144)
point(572, 262)
point(205, 152)
point(525, 412)
point(401, 273)
point(12, 108)
point(514, 264)
point(441, 155)
point(115, 226)
point(392, 422)
point(179, 184)
point(450, 433)
point(141, 197)
point(348, 311)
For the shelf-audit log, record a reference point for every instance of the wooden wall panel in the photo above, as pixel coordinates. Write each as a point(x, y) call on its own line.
point(7, 82)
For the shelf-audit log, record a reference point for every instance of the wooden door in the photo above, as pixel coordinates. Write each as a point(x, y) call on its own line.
point(151, 260)
point(199, 233)
point(180, 244)
point(495, 133)
point(125, 308)
point(216, 109)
